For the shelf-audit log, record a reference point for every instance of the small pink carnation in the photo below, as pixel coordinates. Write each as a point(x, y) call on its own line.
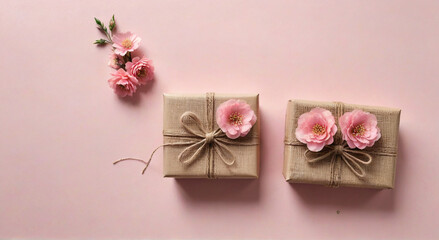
point(115, 61)
point(235, 118)
point(123, 83)
point(316, 129)
point(359, 129)
point(142, 69)
point(125, 42)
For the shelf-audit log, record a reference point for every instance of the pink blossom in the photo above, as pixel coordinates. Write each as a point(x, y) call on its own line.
point(123, 83)
point(359, 129)
point(316, 129)
point(125, 42)
point(142, 69)
point(115, 61)
point(235, 118)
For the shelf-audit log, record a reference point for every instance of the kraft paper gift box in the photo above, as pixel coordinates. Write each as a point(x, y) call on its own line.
point(187, 122)
point(334, 171)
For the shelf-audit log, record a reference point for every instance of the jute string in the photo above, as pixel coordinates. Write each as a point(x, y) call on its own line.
point(200, 139)
point(339, 153)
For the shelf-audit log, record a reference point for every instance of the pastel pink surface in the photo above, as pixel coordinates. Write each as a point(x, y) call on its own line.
point(62, 126)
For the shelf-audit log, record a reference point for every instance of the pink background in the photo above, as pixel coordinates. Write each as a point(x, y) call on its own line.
point(62, 126)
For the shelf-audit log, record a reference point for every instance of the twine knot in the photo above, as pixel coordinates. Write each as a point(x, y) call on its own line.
point(209, 137)
point(338, 149)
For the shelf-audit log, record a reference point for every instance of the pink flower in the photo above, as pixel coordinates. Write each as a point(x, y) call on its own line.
point(316, 129)
point(142, 69)
point(359, 129)
point(115, 61)
point(235, 118)
point(125, 42)
point(123, 83)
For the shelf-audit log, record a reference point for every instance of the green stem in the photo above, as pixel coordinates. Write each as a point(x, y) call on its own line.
point(109, 36)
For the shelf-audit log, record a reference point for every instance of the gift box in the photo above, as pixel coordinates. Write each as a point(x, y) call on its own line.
point(337, 164)
point(195, 147)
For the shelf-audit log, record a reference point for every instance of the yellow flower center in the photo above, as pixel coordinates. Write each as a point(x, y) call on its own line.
point(141, 73)
point(236, 118)
point(127, 43)
point(318, 129)
point(121, 86)
point(359, 130)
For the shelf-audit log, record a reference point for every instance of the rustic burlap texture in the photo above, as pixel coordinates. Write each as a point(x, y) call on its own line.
point(208, 163)
point(380, 173)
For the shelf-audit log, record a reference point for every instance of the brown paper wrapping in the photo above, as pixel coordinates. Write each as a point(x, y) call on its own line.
point(380, 173)
point(246, 163)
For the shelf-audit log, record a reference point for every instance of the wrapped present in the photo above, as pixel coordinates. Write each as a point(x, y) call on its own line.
point(354, 156)
point(196, 147)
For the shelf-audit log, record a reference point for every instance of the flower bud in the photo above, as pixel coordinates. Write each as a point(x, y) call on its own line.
point(112, 23)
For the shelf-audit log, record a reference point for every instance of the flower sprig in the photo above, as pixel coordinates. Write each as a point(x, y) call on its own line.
point(131, 71)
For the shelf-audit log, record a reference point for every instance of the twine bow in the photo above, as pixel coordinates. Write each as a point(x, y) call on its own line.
point(354, 159)
point(203, 139)
point(346, 155)
point(200, 139)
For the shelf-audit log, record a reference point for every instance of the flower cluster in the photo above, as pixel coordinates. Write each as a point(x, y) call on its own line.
point(131, 71)
point(317, 129)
